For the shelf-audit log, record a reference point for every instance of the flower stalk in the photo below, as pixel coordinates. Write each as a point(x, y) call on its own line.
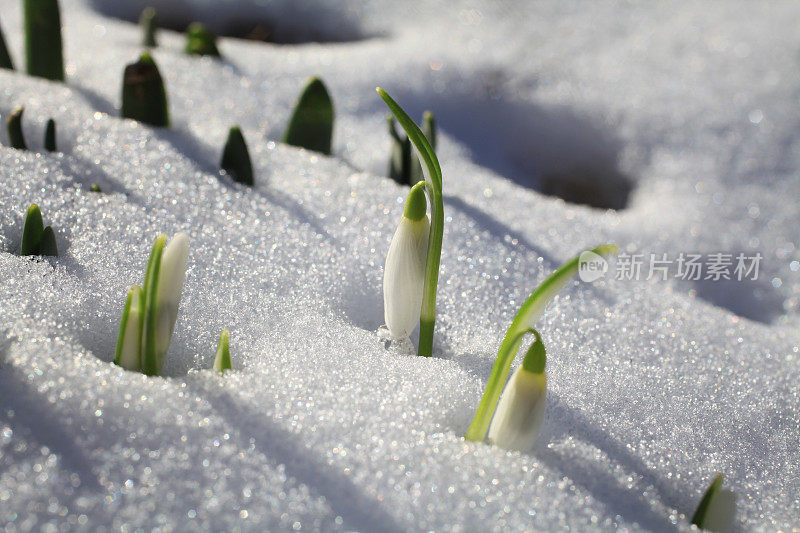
point(143, 95)
point(311, 124)
point(524, 320)
point(14, 127)
point(150, 313)
point(43, 46)
point(236, 158)
point(404, 273)
point(222, 361)
point(717, 509)
point(433, 187)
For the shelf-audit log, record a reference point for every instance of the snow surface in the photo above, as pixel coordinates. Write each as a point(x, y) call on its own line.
point(654, 386)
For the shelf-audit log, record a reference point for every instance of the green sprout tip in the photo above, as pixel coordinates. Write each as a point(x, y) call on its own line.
point(50, 136)
point(236, 158)
point(311, 124)
point(143, 95)
point(14, 127)
point(222, 361)
point(200, 41)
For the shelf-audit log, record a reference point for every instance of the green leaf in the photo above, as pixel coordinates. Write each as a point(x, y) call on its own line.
point(14, 127)
point(143, 95)
point(200, 41)
point(236, 158)
point(433, 185)
point(150, 357)
point(43, 47)
point(525, 319)
point(222, 361)
point(699, 517)
point(5, 57)
point(32, 231)
point(148, 21)
point(129, 340)
point(47, 246)
point(311, 125)
point(50, 136)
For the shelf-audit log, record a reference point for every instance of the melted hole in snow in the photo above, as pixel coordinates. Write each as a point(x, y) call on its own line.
point(281, 22)
point(549, 149)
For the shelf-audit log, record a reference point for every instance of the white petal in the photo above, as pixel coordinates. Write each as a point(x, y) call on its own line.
point(404, 275)
point(520, 411)
point(721, 512)
point(170, 287)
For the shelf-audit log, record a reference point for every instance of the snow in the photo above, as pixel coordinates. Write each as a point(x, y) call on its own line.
point(654, 387)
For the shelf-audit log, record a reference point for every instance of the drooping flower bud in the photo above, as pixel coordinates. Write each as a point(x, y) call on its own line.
point(200, 41)
point(404, 273)
point(147, 21)
point(717, 509)
point(520, 411)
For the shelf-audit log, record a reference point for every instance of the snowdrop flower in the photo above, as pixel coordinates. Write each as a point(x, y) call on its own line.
point(404, 273)
point(149, 316)
point(717, 509)
point(520, 411)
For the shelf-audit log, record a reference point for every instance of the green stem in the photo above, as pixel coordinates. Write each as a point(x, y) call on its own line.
point(525, 319)
point(433, 184)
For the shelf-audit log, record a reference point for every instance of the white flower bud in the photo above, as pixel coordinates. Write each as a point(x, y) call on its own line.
point(404, 273)
point(170, 287)
point(520, 411)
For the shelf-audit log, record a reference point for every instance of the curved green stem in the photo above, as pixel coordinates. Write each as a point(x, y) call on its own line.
point(525, 318)
point(433, 184)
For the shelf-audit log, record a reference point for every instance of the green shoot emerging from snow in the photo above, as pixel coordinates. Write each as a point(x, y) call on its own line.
point(200, 41)
point(222, 361)
point(14, 127)
point(311, 125)
point(5, 57)
point(717, 509)
point(143, 95)
point(404, 165)
point(525, 319)
point(43, 46)
point(149, 316)
point(50, 136)
point(37, 239)
point(433, 186)
point(236, 158)
point(147, 21)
